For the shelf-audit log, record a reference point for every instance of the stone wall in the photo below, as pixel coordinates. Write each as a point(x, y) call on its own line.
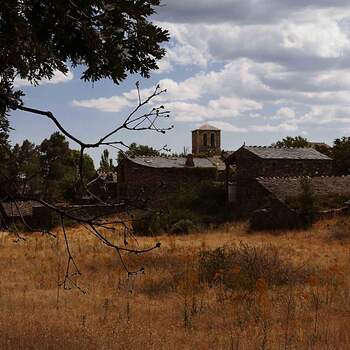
point(250, 167)
point(155, 183)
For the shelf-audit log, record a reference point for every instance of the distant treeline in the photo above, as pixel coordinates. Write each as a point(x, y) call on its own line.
point(49, 170)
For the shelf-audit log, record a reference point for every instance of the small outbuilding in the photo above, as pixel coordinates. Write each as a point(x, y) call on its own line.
point(30, 214)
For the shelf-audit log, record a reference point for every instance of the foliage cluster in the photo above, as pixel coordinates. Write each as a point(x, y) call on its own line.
point(135, 150)
point(49, 170)
point(190, 209)
point(109, 39)
point(242, 266)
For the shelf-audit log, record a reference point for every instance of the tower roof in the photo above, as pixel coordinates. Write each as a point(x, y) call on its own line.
point(207, 127)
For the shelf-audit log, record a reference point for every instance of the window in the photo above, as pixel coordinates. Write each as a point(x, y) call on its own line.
point(212, 139)
point(205, 140)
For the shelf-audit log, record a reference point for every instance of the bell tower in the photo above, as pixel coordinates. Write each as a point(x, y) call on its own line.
point(206, 140)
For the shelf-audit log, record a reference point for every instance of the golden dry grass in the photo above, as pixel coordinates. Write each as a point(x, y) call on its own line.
point(169, 307)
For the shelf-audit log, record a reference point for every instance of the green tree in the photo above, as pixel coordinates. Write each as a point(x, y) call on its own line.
point(293, 142)
point(60, 169)
point(71, 186)
point(25, 167)
point(106, 163)
point(341, 155)
point(136, 150)
point(109, 39)
point(324, 149)
point(89, 171)
point(56, 171)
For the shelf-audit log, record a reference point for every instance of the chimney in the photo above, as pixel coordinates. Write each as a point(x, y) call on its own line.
point(189, 161)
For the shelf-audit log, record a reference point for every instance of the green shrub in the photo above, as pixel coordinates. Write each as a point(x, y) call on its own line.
point(189, 209)
point(205, 204)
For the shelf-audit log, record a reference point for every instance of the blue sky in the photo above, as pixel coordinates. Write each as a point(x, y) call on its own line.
point(258, 69)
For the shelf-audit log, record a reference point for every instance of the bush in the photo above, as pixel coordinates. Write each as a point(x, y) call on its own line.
point(189, 209)
point(242, 266)
point(183, 226)
point(204, 204)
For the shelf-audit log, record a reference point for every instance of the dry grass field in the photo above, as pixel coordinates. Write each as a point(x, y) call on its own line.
point(261, 291)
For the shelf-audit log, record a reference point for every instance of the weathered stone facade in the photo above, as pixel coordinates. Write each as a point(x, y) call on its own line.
point(278, 198)
point(254, 162)
point(206, 140)
point(154, 178)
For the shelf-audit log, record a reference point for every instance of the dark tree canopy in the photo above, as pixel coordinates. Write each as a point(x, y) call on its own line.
point(59, 168)
point(294, 142)
point(24, 166)
point(341, 155)
point(106, 163)
point(301, 142)
point(109, 38)
point(135, 150)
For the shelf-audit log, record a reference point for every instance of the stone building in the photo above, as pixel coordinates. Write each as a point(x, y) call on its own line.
point(158, 177)
point(206, 140)
point(278, 199)
point(30, 214)
point(253, 161)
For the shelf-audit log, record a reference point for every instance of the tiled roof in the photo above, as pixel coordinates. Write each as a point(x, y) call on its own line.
point(207, 127)
point(19, 208)
point(171, 162)
point(321, 186)
point(286, 153)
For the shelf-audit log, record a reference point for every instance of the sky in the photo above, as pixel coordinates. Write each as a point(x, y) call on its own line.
point(257, 69)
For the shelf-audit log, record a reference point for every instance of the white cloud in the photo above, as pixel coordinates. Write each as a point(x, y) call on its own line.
point(285, 113)
point(321, 115)
point(273, 55)
point(323, 37)
point(280, 128)
point(227, 126)
point(105, 104)
point(232, 105)
point(58, 78)
point(224, 107)
point(164, 66)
